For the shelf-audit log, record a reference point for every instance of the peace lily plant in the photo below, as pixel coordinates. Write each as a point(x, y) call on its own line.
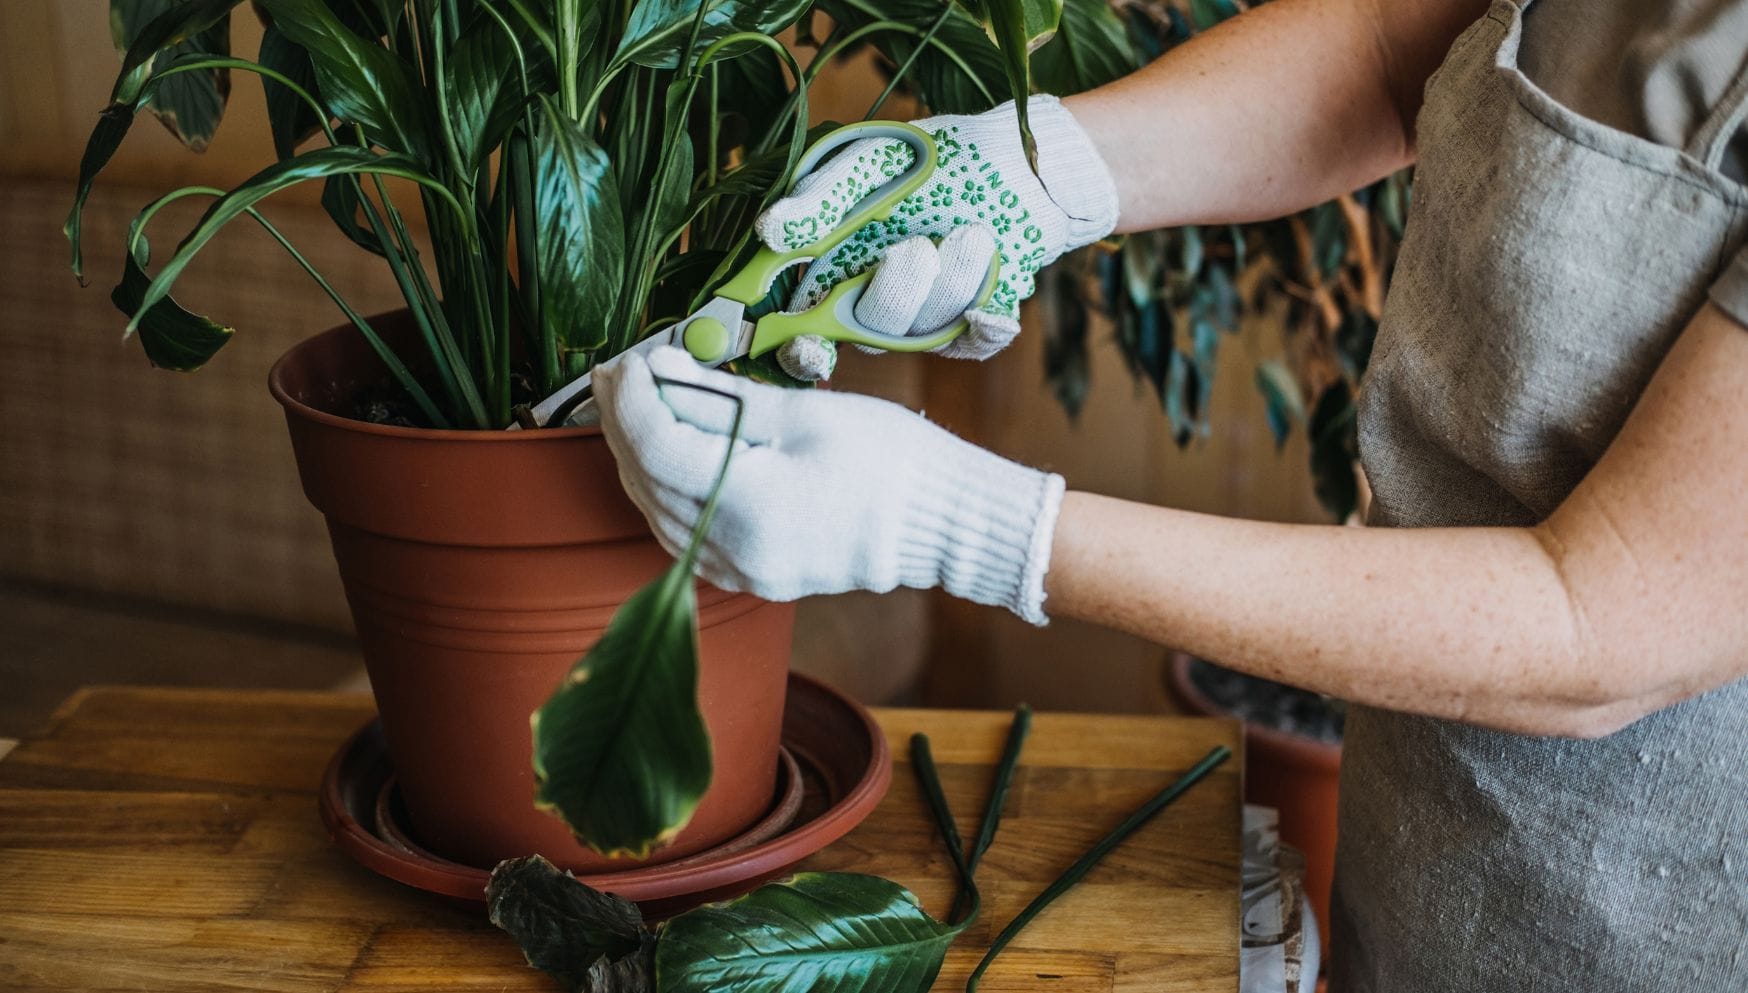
point(586, 171)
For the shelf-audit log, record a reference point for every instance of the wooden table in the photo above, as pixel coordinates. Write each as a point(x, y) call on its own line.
point(167, 840)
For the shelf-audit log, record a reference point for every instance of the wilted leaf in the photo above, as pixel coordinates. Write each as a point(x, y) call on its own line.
point(620, 749)
point(189, 104)
point(149, 27)
point(174, 338)
point(815, 931)
point(592, 942)
point(112, 127)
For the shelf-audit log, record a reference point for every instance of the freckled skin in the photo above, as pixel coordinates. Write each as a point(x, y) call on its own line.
point(1542, 630)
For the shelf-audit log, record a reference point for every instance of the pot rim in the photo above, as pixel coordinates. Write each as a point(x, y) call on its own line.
point(1308, 750)
point(276, 385)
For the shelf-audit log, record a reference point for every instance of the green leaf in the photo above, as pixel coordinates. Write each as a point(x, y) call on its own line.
point(148, 27)
point(657, 31)
point(589, 941)
point(342, 200)
point(1280, 392)
point(112, 127)
point(581, 233)
point(484, 85)
point(1019, 27)
point(289, 118)
point(961, 73)
point(174, 338)
point(1334, 448)
point(190, 104)
point(1204, 14)
point(318, 164)
point(360, 80)
point(815, 931)
point(1091, 48)
point(620, 750)
point(752, 90)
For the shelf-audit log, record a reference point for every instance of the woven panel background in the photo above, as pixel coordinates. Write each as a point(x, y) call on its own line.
point(121, 478)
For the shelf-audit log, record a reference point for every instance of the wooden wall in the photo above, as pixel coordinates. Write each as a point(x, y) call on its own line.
point(118, 478)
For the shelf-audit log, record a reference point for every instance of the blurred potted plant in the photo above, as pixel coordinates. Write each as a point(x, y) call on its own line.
point(584, 173)
point(1172, 296)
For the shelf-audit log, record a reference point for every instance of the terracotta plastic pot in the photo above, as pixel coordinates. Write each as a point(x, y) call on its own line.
point(1296, 775)
point(479, 565)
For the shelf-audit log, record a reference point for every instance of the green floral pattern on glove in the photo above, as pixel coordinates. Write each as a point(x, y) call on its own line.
point(967, 187)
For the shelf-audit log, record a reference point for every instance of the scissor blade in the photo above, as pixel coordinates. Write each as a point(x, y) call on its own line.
point(576, 394)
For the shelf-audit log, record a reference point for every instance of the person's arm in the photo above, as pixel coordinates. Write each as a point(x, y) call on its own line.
point(1627, 599)
point(1284, 107)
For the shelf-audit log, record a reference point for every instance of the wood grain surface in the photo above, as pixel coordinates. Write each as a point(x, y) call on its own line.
point(167, 840)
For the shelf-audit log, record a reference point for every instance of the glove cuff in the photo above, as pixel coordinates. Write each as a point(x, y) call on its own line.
point(1074, 175)
point(980, 527)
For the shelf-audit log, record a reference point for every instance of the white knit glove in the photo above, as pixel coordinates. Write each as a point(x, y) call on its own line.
point(982, 196)
point(827, 492)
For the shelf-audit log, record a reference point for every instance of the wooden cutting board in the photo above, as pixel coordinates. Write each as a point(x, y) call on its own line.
point(167, 840)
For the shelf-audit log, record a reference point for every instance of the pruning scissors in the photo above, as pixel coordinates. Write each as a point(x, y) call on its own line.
point(719, 331)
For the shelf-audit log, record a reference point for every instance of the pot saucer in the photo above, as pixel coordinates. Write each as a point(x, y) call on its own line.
point(394, 827)
point(840, 759)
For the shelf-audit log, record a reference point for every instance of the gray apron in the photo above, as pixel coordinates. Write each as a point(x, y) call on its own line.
point(1548, 266)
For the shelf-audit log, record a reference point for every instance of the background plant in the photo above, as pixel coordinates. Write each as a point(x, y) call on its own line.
point(1173, 295)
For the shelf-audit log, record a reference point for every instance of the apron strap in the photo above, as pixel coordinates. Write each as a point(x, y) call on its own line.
point(1713, 137)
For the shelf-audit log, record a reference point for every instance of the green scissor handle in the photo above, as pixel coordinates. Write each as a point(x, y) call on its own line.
point(753, 281)
point(834, 318)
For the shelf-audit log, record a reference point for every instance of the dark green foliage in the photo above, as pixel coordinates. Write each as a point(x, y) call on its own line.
point(581, 238)
point(837, 931)
point(154, 32)
point(1173, 295)
point(1334, 450)
point(657, 33)
point(360, 81)
point(1091, 48)
point(172, 337)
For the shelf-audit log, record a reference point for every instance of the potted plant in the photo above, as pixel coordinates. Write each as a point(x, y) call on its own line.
point(546, 181)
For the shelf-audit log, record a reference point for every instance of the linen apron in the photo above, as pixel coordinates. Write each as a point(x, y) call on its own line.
point(1548, 265)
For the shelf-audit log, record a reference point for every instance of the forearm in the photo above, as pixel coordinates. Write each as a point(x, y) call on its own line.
point(1288, 105)
point(1627, 599)
point(1472, 624)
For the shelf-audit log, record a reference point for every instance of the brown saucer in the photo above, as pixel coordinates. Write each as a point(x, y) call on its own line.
point(839, 752)
point(394, 827)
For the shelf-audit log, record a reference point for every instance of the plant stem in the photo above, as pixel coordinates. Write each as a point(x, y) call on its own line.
point(1095, 855)
point(998, 795)
point(699, 530)
point(922, 762)
point(910, 60)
